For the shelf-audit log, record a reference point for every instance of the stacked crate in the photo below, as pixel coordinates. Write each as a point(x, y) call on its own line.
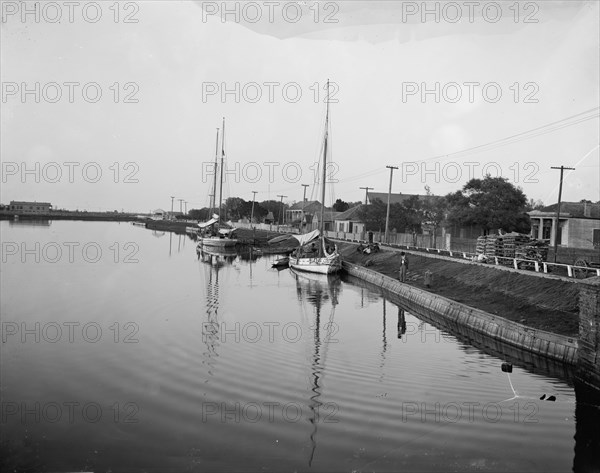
point(508, 246)
point(480, 249)
point(493, 245)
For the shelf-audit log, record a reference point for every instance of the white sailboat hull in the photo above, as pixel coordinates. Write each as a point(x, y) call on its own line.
point(325, 265)
point(215, 242)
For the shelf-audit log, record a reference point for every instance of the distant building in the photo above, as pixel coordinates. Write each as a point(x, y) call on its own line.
point(579, 224)
point(29, 207)
point(301, 213)
point(158, 214)
point(329, 217)
point(269, 218)
point(349, 221)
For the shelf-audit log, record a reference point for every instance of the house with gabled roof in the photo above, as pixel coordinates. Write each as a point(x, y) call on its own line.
point(349, 221)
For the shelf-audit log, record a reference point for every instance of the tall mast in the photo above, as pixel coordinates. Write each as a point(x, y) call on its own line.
point(214, 193)
point(324, 174)
point(221, 179)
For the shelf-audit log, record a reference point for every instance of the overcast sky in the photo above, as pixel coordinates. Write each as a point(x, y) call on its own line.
point(166, 64)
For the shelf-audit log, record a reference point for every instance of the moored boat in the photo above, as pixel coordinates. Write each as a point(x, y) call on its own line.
point(316, 254)
point(211, 235)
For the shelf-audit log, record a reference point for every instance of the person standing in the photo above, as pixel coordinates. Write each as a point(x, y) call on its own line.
point(403, 266)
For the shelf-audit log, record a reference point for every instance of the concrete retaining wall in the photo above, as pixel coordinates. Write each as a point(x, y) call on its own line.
point(451, 313)
point(589, 332)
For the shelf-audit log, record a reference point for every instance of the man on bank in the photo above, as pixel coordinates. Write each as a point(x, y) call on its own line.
point(403, 266)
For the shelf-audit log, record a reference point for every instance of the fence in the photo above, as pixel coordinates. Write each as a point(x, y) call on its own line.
point(270, 227)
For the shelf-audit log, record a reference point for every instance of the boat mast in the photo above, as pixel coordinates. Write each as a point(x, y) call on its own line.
point(214, 194)
point(324, 174)
point(221, 178)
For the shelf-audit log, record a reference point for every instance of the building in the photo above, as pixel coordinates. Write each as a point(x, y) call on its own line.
point(302, 212)
point(349, 221)
point(579, 224)
point(30, 207)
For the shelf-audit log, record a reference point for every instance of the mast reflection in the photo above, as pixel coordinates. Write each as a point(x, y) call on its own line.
point(317, 290)
point(213, 262)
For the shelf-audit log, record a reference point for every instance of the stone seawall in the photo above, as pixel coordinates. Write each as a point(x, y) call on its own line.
point(453, 314)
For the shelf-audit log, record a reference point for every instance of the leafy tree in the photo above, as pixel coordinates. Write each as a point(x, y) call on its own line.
point(340, 205)
point(235, 207)
point(373, 215)
point(259, 211)
point(275, 207)
point(200, 214)
point(533, 204)
point(433, 209)
point(489, 203)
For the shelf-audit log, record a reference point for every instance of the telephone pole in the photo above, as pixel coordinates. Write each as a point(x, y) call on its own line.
point(172, 198)
point(180, 205)
point(304, 196)
point(367, 192)
point(282, 196)
point(387, 215)
point(562, 168)
point(252, 213)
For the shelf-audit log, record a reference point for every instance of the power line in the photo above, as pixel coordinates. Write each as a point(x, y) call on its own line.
point(534, 132)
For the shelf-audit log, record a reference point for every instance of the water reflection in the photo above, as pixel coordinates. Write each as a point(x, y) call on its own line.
point(30, 223)
point(213, 262)
point(318, 289)
point(471, 341)
point(401, 322)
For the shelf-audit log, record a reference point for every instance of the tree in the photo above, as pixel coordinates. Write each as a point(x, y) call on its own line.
point(340, 205)
point(489, 203)
point(373, 215)
point(433, 209)
point(235, 207)
point(275, 207)
point(199, 214)
point(533, 204)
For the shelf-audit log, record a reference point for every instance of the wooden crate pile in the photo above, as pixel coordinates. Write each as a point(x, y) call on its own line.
point(534, 250)
point(493, 245)
point(512, 242)
point(480, 248)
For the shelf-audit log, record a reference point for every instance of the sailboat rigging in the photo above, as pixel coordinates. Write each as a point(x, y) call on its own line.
point(212, 234)
point(322, 257)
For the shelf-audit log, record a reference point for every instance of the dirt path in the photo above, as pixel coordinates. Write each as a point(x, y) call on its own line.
point(542, 303)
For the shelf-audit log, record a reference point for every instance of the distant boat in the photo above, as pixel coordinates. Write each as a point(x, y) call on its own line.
point(211, 235)
point(315, 254)
point(282, 262)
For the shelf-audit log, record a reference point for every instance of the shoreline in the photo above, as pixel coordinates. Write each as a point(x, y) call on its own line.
point(541, 302)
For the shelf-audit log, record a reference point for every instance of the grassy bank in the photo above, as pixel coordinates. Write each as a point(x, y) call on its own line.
point(544, 303)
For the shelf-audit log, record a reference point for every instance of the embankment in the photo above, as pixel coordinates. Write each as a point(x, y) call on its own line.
point(458, 317)
point(539, 301)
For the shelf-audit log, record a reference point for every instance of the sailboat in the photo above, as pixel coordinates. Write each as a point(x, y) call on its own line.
point(315, 254)
point(211, 235)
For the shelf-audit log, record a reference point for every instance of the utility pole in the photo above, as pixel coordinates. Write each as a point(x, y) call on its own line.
point(185, 206)
point(180, 205)
point(562, 168)
point(282, 196)
point(367, 192)
point(252, 213)
point(172, 198)
point(387, 215)
point(304, 196)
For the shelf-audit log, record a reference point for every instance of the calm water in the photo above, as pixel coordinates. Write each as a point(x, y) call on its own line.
point(133, 354)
